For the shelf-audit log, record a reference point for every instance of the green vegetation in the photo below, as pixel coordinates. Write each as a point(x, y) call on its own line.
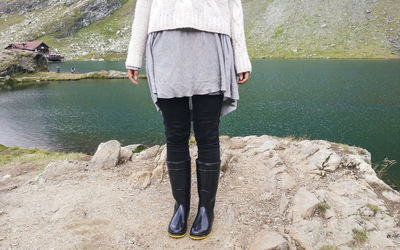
point(17, 156)
point(273, 30)
point(382, 168)
point(40, 78)
point(329, 247)
point(278, 31)
point(10, 20)
point(139, 149)
point(359, 237)
point(103, 30)
point(374, 208)
point(10, 82)
point(322, 207)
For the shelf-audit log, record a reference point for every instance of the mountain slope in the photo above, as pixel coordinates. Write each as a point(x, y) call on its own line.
point(327, 28)
point(310, 28)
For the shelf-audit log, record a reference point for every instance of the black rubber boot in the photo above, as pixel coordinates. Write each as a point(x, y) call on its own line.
point(180, 179)
point(207, 185)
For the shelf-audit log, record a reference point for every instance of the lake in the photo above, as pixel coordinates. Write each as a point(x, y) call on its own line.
point(356, 102)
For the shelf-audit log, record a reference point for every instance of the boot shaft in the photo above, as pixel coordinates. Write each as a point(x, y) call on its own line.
point(180, 180)
point(207, 182)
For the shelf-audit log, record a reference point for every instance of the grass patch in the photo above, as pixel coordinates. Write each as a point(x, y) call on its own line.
point(11, 20)
point(322, 207)
point(329, 247)
point(139, 149)
point(359, 237)
point(374, 208)
point(278, 31)
point(381, 168)
point(16, 155)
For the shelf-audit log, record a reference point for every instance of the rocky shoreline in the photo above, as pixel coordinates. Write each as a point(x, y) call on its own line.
point(274, 193)
point(19, 68)
point(43, 77)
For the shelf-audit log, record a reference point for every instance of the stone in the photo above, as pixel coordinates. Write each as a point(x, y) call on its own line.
point(148, 154)
point(269, 240)
point(308, 233)
point(284, 202)
point(379, 240)
point(333, 162)
point(391, 195)
point(329, 213)
point(141, 179)
point(57, 170)
point(106, 156)
point(304, 203)
point(225, 159)
point(365, 211)
point(125, 155)
point(286, 181)
point(132, 147)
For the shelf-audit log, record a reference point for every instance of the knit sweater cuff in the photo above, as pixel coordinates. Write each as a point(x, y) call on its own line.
point(134, 60)
point(242, 62)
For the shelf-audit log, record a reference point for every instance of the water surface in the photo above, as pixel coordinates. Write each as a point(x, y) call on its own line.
point(356, 102)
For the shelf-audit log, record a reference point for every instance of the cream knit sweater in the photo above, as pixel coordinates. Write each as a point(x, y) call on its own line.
point(221, 16)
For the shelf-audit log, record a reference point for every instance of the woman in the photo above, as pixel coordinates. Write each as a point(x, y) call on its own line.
point(196, 56)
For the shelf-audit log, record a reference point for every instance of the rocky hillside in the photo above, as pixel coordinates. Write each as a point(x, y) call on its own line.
point(274, 193)
point(309, 28)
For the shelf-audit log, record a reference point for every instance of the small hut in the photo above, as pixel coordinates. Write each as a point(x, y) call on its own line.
point(32, 46)
point(39, 47)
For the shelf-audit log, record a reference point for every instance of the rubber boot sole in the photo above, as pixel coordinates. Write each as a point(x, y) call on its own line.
point(176, 236)
point(199, 238)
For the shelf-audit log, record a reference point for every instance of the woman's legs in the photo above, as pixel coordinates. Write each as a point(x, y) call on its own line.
point(177, 123)
point(206, 113)
point(176, 118)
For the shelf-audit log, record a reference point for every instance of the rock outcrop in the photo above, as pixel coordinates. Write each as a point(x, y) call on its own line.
point(14, 61)
point(274, 193)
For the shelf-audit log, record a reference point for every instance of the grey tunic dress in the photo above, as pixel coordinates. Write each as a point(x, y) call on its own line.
point(186, 62)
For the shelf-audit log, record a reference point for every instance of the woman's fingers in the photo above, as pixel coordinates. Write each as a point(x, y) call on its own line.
point(136, 74)
point(133, 76)
point(243, 77)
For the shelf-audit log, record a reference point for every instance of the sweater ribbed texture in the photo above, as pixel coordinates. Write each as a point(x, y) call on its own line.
point(219, 16)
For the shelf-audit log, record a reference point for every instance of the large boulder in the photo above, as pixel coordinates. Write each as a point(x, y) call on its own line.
point(106, 156)
point(14, 62)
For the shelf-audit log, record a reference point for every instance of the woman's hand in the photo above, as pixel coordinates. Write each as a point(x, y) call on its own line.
point(133, 76)
point(243, 77)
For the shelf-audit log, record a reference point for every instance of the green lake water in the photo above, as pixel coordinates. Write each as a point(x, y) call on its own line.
point(356, 102)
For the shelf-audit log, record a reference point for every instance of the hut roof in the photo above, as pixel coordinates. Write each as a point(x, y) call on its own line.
point(27, 45)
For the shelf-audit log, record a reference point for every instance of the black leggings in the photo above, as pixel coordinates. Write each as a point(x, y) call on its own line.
point(177, 123)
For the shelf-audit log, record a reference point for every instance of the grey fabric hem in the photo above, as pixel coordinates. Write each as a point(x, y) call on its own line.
point(132, 67)
point(229, 104)
point(182, 62)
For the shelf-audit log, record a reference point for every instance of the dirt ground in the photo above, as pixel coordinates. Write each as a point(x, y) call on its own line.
point(70, 205)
